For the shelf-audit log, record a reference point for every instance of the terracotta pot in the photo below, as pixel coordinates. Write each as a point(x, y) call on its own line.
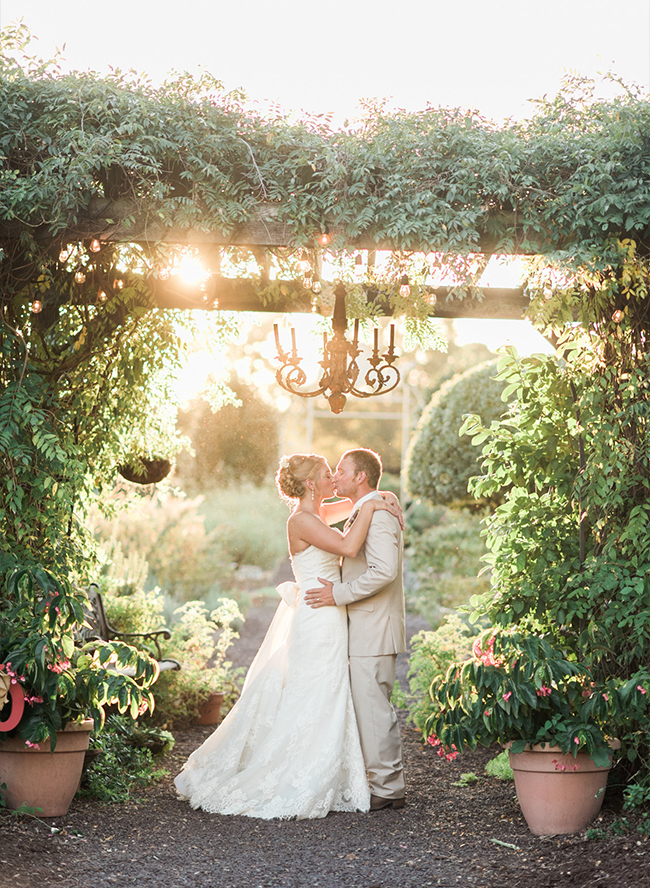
point(210, 711)
point(557, 793)
point(42, 779)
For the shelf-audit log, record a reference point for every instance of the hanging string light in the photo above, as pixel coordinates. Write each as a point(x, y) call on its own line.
point(340, 368)
point(95, 245)
point(404, 286)
point(37, 306)
point(80, 277)
point(304, 266)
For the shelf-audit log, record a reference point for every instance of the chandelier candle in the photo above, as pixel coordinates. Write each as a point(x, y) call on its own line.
point(340, 368)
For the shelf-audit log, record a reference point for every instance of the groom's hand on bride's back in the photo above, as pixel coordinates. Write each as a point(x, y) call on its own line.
point(322, 596)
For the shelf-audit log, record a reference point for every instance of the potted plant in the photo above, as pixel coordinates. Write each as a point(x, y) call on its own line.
point(551, 713)
point(63, 686)
point(199, 640)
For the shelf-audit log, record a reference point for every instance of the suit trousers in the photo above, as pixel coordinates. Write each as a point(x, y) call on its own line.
point(372, 680)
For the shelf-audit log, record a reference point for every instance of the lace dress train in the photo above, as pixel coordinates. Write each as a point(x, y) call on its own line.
point(290, 746)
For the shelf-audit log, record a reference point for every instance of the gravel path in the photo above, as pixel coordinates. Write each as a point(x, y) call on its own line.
point(446, 836)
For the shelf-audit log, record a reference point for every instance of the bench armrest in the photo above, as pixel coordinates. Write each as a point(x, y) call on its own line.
point(154, 635)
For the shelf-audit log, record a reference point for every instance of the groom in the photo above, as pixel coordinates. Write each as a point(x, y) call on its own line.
point(372, 589)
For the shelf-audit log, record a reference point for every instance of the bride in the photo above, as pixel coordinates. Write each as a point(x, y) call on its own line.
point(290, 745)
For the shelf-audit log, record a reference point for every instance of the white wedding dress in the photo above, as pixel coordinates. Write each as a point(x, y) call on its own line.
point(290, 746)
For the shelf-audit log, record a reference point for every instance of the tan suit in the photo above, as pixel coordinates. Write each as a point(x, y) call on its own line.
point(372, 589)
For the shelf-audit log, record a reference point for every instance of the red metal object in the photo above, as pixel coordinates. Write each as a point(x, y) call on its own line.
point(17, 696)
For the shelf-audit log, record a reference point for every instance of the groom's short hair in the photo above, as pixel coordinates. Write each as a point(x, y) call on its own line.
point(366, 461)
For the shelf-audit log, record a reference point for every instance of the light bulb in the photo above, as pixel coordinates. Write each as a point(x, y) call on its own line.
point(358, 267)
point(404, 288)
point(306, 282)
point(324, 239)
point(118, 283)
point(617, 316)
point(101, 296)
point(63, 255)
point(37, 306)
point(95, 245)
point(80, 277)
point(316, 286)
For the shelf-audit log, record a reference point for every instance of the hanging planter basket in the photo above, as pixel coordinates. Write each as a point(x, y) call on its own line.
point(147, 471)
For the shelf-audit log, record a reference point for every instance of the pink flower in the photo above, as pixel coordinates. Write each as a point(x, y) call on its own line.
point(640, 688)
point(33, 699)
point(606, 698)
point(32, 745)
point(507, 696)
point(543, 691)
point(487, 712)
point(576, 740)
point(486, 657)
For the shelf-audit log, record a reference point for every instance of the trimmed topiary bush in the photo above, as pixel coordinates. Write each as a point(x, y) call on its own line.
point(439, 463)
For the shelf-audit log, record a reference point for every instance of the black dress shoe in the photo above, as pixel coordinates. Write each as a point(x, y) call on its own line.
point(377, 803)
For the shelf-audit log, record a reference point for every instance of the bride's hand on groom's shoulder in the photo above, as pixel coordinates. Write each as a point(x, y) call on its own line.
point(390, 503)
point(321, 597)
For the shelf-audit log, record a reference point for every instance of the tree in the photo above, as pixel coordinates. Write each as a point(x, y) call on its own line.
point(236, 443)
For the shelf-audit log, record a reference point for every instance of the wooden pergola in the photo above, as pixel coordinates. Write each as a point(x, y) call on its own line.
point(115, 222)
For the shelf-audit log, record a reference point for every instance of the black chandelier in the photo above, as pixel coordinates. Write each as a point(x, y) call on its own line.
point(340, 368)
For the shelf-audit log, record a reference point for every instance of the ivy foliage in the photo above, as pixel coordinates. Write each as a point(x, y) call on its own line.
point(80, 153)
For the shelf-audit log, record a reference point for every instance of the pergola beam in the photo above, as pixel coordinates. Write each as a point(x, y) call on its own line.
point(122, 221)
point(237, 294)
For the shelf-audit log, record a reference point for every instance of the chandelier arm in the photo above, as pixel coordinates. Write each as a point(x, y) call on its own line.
point(378, 379)
point(290, 377)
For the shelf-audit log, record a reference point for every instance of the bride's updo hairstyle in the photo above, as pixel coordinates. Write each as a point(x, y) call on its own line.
point(294, 471)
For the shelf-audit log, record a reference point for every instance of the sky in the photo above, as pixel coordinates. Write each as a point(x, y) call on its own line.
point(320, 57)
point(492, 57)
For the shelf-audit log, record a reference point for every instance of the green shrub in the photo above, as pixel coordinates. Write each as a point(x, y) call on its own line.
point(499, 767)
point(439, 463)
point(125, 763)
point(433, 653)
point(167, 532)
point(444, 561)
point(249, 522)
point(199, 641)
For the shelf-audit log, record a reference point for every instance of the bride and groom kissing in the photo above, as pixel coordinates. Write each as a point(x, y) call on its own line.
point(314, 730)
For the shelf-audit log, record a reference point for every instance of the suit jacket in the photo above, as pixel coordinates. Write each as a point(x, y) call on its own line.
point(373, 591)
